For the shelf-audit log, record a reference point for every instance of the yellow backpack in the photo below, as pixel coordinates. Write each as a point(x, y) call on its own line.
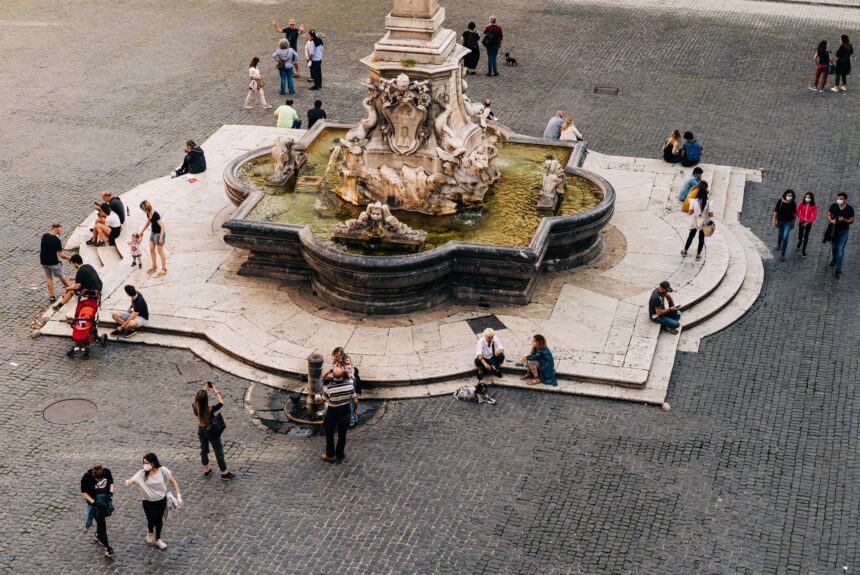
point(685, 207)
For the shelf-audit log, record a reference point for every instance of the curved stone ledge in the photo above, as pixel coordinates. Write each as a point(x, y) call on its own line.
point(478, 273)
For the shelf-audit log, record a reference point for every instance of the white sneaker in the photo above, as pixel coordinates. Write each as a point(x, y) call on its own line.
point(844, 88)
point(813, 88)
point(161, 544)
point(150, 537)
point(834, 89)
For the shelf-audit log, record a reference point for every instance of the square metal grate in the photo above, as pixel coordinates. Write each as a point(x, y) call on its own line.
point(479, 324)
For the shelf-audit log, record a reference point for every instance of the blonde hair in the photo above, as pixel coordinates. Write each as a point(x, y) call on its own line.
point(146, 207)
point(489, 332)
point(568, 121)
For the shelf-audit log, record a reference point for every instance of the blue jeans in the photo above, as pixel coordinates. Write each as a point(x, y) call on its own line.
point(353, 415)
point(492, 56)
point(91, 510)
point(287, 80)
point(669, 319)
point(783, 230)
point(840, 240)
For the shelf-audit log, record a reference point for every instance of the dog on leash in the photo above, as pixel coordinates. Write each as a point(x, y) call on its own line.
point(510, 61)
point(478, 392)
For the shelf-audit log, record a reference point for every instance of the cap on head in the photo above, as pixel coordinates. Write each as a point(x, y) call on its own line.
point(489, 332)
point(666, 286)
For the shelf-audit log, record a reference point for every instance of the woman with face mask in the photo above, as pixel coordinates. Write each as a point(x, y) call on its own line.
point(152, 482)
point(807, 211)
point(783, 220)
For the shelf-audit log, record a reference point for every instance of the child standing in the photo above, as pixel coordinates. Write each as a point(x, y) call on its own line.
point(136, 253)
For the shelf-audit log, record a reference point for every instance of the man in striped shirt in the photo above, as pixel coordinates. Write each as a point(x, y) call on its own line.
point(338, 392)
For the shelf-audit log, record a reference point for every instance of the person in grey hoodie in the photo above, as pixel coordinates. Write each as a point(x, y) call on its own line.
point(194, 162)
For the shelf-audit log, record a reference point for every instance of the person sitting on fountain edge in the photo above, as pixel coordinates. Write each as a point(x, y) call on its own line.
point(194, 162)
point(490, 354)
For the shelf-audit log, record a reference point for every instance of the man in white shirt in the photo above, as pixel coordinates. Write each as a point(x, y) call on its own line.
point(489, 354)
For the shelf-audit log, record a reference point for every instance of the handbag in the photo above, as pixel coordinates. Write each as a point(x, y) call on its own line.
point(489, 40)
point(103, 508)
point(709, 229)
point(280, 65)
point(260, 82)
point(217, 425)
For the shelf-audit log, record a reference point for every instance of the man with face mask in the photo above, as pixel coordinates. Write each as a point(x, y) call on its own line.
point(841, 216)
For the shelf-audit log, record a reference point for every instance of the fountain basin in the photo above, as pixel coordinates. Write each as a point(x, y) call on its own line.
point(369, 283)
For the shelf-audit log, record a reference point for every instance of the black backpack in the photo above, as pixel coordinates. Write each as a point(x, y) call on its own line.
point(489, 40)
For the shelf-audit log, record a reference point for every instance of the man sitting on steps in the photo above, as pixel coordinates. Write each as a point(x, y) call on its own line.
point(128, 322)
point(490, 354)
point(668, 317)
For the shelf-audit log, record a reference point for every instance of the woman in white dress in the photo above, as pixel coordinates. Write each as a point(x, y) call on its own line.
point(569, 133)
point(255, 86)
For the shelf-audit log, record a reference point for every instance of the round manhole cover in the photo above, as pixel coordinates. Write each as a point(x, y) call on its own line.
point(70, 411)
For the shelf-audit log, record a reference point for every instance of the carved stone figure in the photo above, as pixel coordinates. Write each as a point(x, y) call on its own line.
point(288, 161)
point(358, 135)
point(552, 185)
point(377, 223)
point(404, 105)
point(450, 142)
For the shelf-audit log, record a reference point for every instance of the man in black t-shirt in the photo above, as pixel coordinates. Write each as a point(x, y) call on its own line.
point(315, 114)
point(115, 204)
point(128, 322)
point(841, 216)
point(86, 278)
point(669, 317)
point(50, 252)
point(97, 490)
point(291, 33)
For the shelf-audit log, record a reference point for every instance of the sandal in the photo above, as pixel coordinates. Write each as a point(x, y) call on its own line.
point(151, 270)
point(525, 376)
point(162, 273)
point(534, 382)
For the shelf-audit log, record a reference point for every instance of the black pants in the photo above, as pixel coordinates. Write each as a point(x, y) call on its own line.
point(803, 235)
point(155, 515)
point(336, 419)
point(316, 73)
point(114, 234)
point(690, 240)
point(496, 362)
point(101, 531)
point(840, 79)
point(215, 439)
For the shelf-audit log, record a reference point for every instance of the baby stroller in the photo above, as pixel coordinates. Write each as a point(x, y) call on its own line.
point(85, 326)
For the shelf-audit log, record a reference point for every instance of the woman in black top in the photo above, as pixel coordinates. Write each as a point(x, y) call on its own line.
point(97, 489)
point(470, 41)
point(206, 434)
point(822, 58)
point(784, 214)
point(843, 64)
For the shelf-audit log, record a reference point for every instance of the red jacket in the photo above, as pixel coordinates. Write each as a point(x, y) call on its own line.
point(807, 213)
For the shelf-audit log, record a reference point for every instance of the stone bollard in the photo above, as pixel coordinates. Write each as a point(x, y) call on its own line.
point(315, 369)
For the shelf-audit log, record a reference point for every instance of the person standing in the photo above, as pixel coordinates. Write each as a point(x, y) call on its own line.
point(784, 214)
point(691, 151)
point(287, 116)
point(255, 85)
point(286, 59)
point(843, 64)
point(691, 182)
point(315, 114)
point(667, 316)
point(152, 483)
point(553, 127)
point(50, 253)
point(309, 55)
point(339, 358)
point(492, 42)
point(822, 58)
point(807, 211)
point(291, 33)
point(316, 60)
point(470, 41)
point(209, 429)
point(157, 236)
point(841, 216)
point(338, 393)
point(97, 491)
point(700, 215)
point(540, 365)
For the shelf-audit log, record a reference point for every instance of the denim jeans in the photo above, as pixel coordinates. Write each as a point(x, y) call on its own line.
point(492, 56)
point(353, 414)
point(669, 319)
point(101, 523)
point(783, 230)
point(840, 240)
point(287, 81)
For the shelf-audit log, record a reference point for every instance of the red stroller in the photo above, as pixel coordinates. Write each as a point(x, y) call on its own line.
point(85, 327)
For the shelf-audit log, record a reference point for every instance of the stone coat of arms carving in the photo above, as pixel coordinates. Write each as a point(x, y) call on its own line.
point(404, 105)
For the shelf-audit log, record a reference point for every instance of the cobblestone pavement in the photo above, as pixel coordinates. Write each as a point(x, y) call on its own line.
point(754, 471)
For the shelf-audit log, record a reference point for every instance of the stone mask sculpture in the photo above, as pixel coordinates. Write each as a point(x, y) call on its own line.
point(377, 223)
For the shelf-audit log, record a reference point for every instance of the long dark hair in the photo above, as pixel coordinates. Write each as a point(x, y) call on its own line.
point(786, 192)
point(540, 341)
point(822, 49)
point(201, 407)
point(254, 62)
point(702, 194)
point(152, 459)
point(811, 198)
point(845, 41)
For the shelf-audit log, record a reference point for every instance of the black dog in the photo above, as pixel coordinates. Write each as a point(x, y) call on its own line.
point(510, 61)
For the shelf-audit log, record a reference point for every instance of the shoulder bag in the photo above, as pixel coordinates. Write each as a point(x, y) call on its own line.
point(217, 425)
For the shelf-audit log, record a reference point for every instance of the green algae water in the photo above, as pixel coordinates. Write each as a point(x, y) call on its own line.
point(508, 216)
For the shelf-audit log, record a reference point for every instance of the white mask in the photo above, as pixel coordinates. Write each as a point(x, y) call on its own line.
point(147, 467)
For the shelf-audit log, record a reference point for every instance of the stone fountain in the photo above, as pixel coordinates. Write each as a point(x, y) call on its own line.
point(423, 145)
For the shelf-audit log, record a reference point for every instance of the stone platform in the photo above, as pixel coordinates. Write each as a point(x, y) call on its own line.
point(594, 317)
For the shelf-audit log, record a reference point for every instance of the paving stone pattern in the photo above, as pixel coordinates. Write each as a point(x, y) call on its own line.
point(754, 471)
